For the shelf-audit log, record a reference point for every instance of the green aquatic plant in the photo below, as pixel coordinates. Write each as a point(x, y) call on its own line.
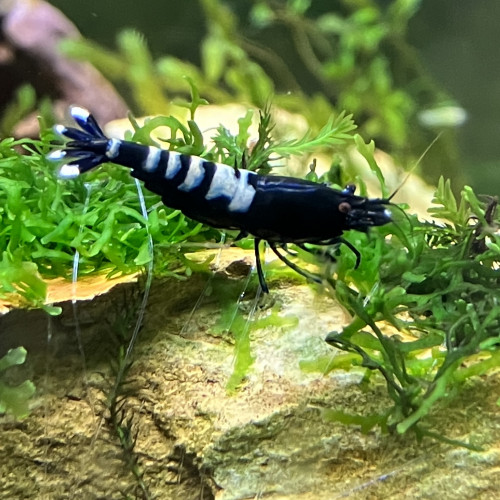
point(438, 284)
point(315, 60)
point(240, 326)
point(321, 59)
point(435, 282)
point(14, 398)
point(44, 221)
point(229, 148)
point(21, 283)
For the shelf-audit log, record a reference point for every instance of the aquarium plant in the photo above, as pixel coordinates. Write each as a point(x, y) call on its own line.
point(434, 281)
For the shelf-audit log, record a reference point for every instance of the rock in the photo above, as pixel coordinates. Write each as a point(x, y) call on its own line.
point(31, 31)
point(195, 439)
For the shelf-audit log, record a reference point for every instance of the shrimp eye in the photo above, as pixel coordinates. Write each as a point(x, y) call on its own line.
point(349, 189)
point(344, 207)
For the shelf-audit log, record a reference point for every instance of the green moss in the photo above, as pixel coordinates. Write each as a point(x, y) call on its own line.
point(241, 326)
point(45, 221)
point(436, 282)
point(14, 398)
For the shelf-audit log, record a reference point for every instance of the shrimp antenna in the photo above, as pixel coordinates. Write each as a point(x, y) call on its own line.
point(417, 163)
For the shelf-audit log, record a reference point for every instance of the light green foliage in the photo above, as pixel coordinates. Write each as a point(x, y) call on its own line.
point(241, 327)
point(22, 279)
point(44, 221)
point(354, 53)
point(335, 133)
point(438, 284)
point(225, 59)
point(14, 399)
point(352, 57)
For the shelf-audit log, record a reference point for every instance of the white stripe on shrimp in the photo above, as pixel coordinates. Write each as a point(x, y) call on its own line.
point(79, 112)
point(113, 148)
point(244, 195)
point(69, 171)
point(151, 162)
point(195, 174)
point(173, 165)
point(224, 183)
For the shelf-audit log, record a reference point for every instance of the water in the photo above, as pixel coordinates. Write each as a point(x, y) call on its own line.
point(454, 40)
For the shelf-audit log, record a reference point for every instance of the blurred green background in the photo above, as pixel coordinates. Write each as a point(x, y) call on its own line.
point(457, 41)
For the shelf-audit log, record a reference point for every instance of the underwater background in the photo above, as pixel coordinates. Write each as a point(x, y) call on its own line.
point(456, 40)
point(139, 357)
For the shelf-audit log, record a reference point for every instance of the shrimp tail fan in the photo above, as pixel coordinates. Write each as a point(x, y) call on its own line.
point(85, 147)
